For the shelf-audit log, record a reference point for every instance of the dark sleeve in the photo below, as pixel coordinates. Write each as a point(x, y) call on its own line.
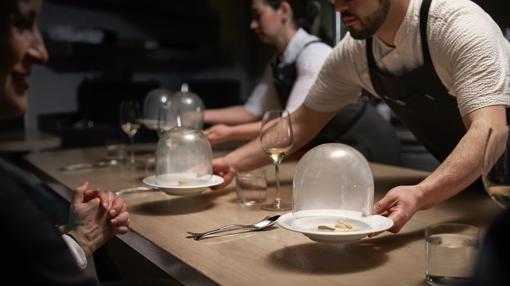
point(33, 246)
point(492, 265)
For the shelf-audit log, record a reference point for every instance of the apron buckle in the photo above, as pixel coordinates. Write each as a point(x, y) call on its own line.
point(429, 96)
point(397, 101)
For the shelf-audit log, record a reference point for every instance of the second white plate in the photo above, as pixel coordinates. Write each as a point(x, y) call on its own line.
point(183, 190)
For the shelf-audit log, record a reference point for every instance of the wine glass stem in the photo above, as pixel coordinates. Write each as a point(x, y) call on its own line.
point(132, 151)
point(276, 174)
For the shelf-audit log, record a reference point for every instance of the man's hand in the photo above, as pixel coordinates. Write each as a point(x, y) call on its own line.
point(399, 204)
point(222, 167)
point(219, 133)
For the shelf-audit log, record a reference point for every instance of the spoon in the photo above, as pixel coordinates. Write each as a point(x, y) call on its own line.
point(265, 223)
point(136, 190)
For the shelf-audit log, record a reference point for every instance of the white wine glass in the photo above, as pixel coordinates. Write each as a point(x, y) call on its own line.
point(276, 139)
point(130, 123)
point(496, 167)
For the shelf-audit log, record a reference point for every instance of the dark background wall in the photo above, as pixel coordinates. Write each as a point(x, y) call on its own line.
point(161, 41)
point(164, 41)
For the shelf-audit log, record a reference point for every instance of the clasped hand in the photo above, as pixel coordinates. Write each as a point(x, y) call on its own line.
point(95, 217)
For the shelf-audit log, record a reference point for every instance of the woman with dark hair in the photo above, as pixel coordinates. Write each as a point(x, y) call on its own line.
point(287, 80)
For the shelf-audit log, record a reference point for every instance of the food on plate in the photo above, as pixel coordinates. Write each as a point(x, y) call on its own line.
point(325, 227)
point(340, 225)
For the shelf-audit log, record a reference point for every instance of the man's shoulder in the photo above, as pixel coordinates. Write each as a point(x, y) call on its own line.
point(454, 23)
point(450, 10)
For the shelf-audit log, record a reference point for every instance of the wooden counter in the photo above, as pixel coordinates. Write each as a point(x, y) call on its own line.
point(159, 224)
point(25, 141)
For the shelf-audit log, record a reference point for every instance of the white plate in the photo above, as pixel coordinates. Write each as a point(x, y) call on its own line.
point(151, 124)
point(306, 222)
point(183, 190)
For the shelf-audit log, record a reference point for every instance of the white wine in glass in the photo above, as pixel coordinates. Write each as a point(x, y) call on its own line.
point(130, 122)
point(130, 128)
point(496, 167)
point(276, 139)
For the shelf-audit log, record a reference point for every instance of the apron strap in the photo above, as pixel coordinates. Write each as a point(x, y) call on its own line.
point(284, 76)
point(305, 46)
point(372, 66)
point(424, 14)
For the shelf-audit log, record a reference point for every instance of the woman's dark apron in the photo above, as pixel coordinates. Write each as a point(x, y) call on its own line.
point(284, 77)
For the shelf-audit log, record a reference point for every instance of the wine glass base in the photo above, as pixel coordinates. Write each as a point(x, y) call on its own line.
point(277, 206)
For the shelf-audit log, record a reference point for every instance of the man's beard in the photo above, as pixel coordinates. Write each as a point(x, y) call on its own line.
point(370, 24)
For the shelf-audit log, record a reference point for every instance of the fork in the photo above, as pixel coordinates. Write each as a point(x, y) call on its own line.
point(225, 228)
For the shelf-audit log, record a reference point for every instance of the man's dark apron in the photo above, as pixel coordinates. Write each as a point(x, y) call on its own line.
point(284, 77)
point(420, 100)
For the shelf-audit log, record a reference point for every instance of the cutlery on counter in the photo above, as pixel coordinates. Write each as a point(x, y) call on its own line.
point(87, 166)
point(132, 190)
point(265, 223)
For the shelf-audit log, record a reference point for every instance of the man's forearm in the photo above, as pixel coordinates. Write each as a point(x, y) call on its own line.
point(246, 131)
point(464, 165)
point(306, 125)
point(229, 116)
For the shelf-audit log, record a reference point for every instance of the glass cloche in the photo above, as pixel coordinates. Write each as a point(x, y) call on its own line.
point(168, 117)
point(183, 158)
point(189, 107)
point(153, 102)
point(333, 176)
point(333, 196)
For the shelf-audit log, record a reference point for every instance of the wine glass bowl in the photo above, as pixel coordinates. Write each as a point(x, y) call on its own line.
point(496, 166)
point(130, 122)
point(276, 139)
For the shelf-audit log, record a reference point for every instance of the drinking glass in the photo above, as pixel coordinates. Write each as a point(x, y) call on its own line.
point(451, 250)
point(276, 139)
point(130, 122)
point(496, 167)
point(251, 187)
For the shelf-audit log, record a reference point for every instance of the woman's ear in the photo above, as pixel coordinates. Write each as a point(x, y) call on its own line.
point(286, 11)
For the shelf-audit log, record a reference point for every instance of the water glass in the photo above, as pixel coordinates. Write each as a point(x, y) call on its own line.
point(451, 250)
point(116, 151)
point(251, 187)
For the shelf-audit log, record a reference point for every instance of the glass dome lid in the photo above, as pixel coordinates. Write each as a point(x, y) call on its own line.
point(189, 107)
point(336, 177)
point(183, 158)
point(153, 102)
point(333, 193)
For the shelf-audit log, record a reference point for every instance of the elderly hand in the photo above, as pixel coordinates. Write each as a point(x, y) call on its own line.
point(399, 204)
point(222, 167)
point(219, 133)
point(95, 217)
point(119, 217)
